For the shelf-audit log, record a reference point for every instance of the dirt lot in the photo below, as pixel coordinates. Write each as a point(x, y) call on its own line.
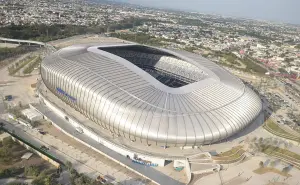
point(83, 39)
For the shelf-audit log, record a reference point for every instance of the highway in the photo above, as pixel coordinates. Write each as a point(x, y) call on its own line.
point(22, 41)
point(29, 42)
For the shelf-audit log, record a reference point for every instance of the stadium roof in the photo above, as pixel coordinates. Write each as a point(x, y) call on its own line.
point(117, 89)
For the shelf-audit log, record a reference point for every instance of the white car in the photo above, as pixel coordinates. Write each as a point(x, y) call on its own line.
point(79, 130)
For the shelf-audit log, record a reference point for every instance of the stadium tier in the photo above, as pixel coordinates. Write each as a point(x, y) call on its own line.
point(151, 95)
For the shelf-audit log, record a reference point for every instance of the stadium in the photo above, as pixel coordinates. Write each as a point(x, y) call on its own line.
point(151, 95)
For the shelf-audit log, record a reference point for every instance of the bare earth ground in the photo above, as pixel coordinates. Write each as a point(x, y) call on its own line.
point(84, 39)
point(18, 87)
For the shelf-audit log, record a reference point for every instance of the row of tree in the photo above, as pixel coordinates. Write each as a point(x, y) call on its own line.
point(30, 67)
point(10, 52)
point(44, 33)
point(80, 179)
point(285, 169)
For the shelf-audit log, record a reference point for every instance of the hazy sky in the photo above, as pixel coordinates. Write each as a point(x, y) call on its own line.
point(275, 10)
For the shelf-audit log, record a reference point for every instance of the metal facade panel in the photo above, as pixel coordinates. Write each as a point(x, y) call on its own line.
point(126, 102)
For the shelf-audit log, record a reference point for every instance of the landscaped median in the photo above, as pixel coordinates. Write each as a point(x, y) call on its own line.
point(230, 156)
point(13, 69)
point(30, 67)
point(275, 129)
point(264, 170)
point(283, 154)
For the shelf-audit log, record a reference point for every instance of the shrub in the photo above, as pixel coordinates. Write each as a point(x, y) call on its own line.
point(8, 142)
point(285, 169)
point(5, 154)
point(16, 183)
point(68, 165)
point(32, 171)
point(10, 172)
point(261, 164)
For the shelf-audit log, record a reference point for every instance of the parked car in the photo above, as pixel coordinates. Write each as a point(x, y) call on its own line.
point(79, 130)
point(43, 147)
point(8, 97)
point(101, 179)
point(42, 132)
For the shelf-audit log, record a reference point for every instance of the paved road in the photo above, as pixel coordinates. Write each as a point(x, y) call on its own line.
point(149, 172)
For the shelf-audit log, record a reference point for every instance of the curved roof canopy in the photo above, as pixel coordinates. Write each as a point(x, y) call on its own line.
point(151, 95)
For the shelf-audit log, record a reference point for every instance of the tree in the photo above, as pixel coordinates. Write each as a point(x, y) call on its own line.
point(69, 165)
point(253, 139)
point(286, 169)
point(38, 181)
point(16, 183)
point(261, 164)
point(267, 141)
point(49, 180)
point(5, 154)
point(8, 142)
point(32, 171)
point(20, 104)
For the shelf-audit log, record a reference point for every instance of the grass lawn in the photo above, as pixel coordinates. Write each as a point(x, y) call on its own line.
point(280, 151)
point(30, 67)
point(232, 154)
point(272, 125)
point(229, 152)
point(275, 128)
point(264, 170)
